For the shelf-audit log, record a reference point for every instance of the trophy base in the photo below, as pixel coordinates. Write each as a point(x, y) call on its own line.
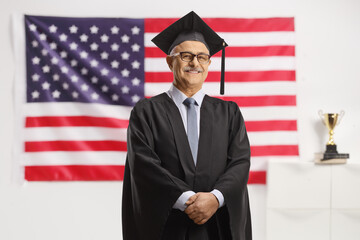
point(319, 159)
point(332, 153)
point(331, 161)
point(329, 156)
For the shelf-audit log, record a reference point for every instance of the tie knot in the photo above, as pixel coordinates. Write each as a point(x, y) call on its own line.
point(189, 101)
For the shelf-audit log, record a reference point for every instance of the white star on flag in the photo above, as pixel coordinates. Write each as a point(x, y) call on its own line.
point(66, 86)
point(84, 71)
point(94, 29)
point(84, 38)
point(115, 64)
point(52, 28)
point(42, 36)
point(46, 69)
point(83, 54)
point(104, 72)
point(63, 54)
point(94, 63)
point(35, 60)
point(125, 56)
point(125, 89)
point(35, 43)
point(56, 94)
point(32, 27)
point(73, 46)
point(94, 47)
point(115, 97)
point(64, 69)
point(54, 60)
point(95, 96)
point(135, 98)
point(74, 78)
point(114, 81)
point(73, 63)
point(135, 30)
point(73, 29)
point(75, 94)
point(135, 82)
point(63, 37)
point(104, 88)
point(114, 47)
point(135, 64)
point(125, 38)
point(104, 55)
point(135, 47)
point(35, 77)
point(56, 77)
point(53, 46)
point(44, 52)
point(46, 86)
point(115, 30)
point(125, 73)
point(104, 38)
point(84, 87)
point(94, 80)
point(35, 94)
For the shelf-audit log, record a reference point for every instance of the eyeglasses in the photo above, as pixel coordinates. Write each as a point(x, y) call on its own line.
point(202, 58)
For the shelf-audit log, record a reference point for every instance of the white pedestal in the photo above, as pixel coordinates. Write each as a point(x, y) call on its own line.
point(309, 201)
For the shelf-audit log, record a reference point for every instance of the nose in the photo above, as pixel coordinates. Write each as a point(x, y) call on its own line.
point(194, 61)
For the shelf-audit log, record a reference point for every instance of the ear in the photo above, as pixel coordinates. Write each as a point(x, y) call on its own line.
point(169, 61)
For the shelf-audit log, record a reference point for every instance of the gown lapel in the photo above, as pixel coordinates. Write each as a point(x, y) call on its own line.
point(204, 159)
point(181, 139)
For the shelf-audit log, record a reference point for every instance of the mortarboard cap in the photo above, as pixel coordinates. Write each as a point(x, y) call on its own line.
point(192, 28)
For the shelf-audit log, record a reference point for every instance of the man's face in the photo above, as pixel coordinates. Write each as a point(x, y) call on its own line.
point(188, 75)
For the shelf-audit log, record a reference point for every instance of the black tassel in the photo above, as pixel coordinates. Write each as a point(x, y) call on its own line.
point(222, 70)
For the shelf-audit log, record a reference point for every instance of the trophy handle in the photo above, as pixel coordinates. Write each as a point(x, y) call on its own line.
point(341, 115)
point(321, 115)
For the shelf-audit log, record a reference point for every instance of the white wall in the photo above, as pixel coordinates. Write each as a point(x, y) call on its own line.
point(327, 56)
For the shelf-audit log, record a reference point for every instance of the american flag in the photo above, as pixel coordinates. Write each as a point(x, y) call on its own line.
point(84, 75)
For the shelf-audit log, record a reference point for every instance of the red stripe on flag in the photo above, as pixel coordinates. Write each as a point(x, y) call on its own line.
point(252, 76)
point(75, 121)
point(273, 125)
point(74, 173)
point(155, 25)
point(266, 51)
point(263, 51)
point(257, 177)
point(276, 150)
point(42, 146)
point(259, 101)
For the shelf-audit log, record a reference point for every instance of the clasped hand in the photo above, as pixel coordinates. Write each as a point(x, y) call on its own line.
point(201, 207)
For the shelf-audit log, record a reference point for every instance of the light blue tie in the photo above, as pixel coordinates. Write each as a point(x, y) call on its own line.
point(192, 128)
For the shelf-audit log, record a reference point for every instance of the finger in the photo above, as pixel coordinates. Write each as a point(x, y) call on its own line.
point(191, 199)
point(189, 210)
point(195, 215)
point(200, 221)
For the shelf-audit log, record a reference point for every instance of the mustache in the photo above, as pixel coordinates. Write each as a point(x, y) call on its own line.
point(190, 69)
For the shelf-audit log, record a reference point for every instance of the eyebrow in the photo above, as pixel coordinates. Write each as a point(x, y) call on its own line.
point(196, 53)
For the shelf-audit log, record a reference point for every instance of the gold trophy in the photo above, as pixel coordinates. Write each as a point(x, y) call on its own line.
point(331, 120)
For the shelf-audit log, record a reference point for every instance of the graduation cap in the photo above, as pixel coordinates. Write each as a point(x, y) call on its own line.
point(192, 28)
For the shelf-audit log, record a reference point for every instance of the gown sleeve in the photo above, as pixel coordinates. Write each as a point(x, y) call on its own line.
point(233, 182)
point(149, 190)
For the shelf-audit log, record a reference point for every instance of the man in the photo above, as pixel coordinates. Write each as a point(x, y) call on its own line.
point(188, 154)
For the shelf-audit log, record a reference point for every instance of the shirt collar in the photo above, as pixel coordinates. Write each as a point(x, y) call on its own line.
point(179, 97)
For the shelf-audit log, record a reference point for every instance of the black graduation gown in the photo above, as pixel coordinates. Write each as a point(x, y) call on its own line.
point(159, 168)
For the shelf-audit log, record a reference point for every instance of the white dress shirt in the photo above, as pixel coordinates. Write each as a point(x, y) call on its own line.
point(178, 97)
